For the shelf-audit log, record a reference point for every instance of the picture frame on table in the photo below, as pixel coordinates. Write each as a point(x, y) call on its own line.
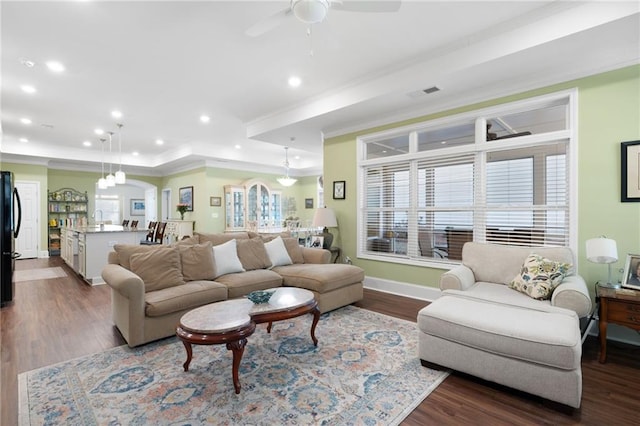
point(215, 201)
point(339, 189)
point(630, 166)
point(137, 207)
point(317, 241)
point(631, 277)
point(185, 196)
point(308, 203)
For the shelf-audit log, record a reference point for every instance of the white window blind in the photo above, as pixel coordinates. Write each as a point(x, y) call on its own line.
point(505, 188)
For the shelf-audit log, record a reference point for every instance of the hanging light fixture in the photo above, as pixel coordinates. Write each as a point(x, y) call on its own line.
point(121, 177)
point(102, 182)
point(111, 179)
point(286, 180)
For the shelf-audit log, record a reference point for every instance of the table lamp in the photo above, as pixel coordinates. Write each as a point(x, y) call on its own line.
point(325, 217)
point(603, 250)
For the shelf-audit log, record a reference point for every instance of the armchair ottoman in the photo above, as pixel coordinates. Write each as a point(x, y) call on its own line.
point(482, 327)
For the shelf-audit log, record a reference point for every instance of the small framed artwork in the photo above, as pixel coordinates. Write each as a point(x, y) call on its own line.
point(339, 189)
point(630, 179)
point(215, 201)
point(631, 277)
point(137, 207)
point(308, 203)
point(185, 196)
point(317, 241)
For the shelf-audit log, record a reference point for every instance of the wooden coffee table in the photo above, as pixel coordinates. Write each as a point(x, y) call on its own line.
point(230, 322)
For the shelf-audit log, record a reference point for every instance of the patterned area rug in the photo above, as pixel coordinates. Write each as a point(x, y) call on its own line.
point(365, 370)
point(39, 274)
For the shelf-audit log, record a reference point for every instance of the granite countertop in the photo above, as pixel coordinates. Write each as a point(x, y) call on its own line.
point(94, 229)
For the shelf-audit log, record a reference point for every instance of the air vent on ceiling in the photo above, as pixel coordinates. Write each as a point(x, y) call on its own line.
point(423, 92)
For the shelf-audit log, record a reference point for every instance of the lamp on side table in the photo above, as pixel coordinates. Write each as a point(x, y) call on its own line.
point(603, 250)
point(325, 217)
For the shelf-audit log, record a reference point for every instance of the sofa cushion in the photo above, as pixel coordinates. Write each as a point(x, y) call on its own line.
point(294, 250)
point(187, 241)
point(125, 251)
point(278, 252)
point(320, 278)
point(158, 268)
point(197, 261)
point(225, 258)
point(217, 239)
point(497, 263)
point(253, 254)
point(539, 276)
point(246, 282)
point(186, 296)
point(547, 338)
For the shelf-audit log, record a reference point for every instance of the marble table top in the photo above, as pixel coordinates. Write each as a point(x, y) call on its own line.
point(221, 317)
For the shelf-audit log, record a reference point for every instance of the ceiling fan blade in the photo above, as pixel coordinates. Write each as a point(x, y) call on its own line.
point(366, 6)
point(267, 24)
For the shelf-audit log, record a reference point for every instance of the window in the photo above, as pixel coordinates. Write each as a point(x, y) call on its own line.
point(497, 175)
point(109, 205)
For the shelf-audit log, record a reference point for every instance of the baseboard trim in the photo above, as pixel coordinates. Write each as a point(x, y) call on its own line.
point(398, 288)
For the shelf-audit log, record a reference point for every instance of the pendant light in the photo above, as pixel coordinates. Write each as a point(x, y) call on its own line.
point(121, 177)
point(111, 179)
point(286, 180)
point(102, 182)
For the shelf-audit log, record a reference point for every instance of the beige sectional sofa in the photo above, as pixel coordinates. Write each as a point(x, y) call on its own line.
point(153, 286)
point(481, 326)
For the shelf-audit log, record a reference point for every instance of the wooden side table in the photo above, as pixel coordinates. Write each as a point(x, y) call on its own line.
point(617, 306)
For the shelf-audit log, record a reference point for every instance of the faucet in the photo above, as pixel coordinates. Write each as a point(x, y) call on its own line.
point(94, 216)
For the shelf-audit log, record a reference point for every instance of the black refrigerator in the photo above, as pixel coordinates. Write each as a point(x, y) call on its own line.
point(10, 218)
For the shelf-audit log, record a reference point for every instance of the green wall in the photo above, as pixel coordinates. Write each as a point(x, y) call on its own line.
point(608, 114)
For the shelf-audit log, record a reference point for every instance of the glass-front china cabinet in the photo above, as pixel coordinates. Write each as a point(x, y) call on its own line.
point(252, 206)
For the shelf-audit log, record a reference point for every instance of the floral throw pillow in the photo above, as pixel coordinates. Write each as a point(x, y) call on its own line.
point(539, 277)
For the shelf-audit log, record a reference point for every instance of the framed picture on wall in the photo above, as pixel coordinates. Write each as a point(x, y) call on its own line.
point(630, 179)
point(137, 207)
point(185, 195)
point(215, 201)
point(339, 189)
point(308, 203)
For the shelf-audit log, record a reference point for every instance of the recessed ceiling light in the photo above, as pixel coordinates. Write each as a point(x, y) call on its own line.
point(238, 147)
point(136, 153)
point(443, 142)
point(159, 142)
point(25, 121)
point(205, 118)
point(86, 143)
point(297, 157)
point(294, 81)
point(23, 140)
point(99, 132)
point(55, 66)
point(26, 88)
point(116, 114)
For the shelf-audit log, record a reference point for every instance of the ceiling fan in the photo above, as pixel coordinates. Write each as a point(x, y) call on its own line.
point(314, 11)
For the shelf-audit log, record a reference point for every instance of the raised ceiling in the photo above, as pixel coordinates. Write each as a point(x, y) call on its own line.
point(163, 64)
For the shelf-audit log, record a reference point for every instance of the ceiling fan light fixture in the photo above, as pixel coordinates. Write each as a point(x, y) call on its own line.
point(286, 180)
point(310, 11)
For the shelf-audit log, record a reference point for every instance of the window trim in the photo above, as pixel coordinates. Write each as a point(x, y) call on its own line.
point(570, 135)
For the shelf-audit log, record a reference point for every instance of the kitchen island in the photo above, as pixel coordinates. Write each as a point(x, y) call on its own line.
point(85, 249)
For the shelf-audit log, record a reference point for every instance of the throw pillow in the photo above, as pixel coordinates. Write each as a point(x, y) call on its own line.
point(125, 251)
point(252, 254)
point(197, 261)
point(294, 250)
point(225, 257)
point(158, 268)
point(278, 252)
point(539, 276)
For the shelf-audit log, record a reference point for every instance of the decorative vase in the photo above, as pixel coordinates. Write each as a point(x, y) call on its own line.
point(181, 216)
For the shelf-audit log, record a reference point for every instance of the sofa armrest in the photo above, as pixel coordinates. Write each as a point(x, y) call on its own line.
point(458, 278)
point(315, 255)
point(572, 293)
point(124, 282)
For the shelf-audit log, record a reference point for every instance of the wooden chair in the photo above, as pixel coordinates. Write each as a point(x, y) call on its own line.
point(160, 232)
point(134, 224)
point(125, 222)
point(149, 238)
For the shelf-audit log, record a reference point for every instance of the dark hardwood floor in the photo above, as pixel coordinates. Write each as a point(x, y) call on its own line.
point(59, 319)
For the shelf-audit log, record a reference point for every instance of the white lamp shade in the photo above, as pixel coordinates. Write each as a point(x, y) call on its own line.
point(287, 181)
point(602, 250)
point(325, 217)
point(102, 183)
point(121, 177)
point(111, 180)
